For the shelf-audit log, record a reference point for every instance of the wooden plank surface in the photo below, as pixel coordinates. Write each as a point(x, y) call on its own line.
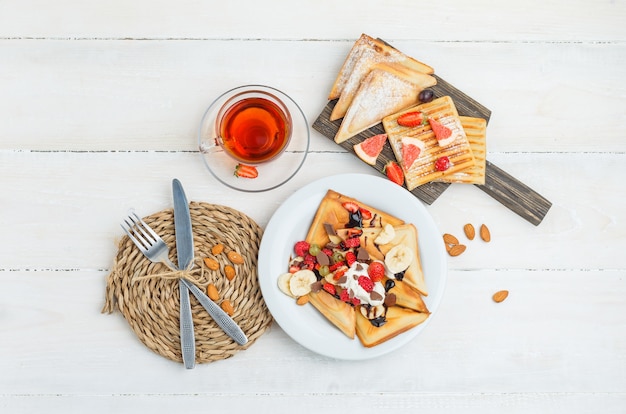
point(97, 92)
point(447, 21)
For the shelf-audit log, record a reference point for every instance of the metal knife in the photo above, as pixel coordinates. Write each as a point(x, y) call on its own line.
point(224, 321)
point(219, 316)
point(184, 249)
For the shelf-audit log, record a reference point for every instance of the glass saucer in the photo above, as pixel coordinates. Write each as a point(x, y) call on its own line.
point(273, 173)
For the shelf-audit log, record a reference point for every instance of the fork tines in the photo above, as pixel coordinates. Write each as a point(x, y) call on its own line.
point(139, 232)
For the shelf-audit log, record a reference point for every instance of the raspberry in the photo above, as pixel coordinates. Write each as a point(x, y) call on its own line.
point(376, 271)
point(366, 283)
point(309, 262)
point(442, 163)
point(301, 248)
point(345, 296)
point(328, 252)
point(352, 242)
point(356, 301)
point(350, 258)
point(330, 288)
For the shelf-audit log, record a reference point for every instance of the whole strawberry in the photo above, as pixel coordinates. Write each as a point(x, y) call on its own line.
point(376, 271)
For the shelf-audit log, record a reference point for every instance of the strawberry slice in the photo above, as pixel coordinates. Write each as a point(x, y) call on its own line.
point(394, 172)
point(246, 171)
point(369, 149)
point(350, 206)
point(412, 148)
point(366, 214)
point(412, 119)
point(442, 132)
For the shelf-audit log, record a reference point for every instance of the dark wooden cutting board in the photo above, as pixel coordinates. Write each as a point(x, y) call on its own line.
point(503, 187)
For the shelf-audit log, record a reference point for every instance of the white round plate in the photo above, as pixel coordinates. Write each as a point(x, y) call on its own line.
point(290, 223)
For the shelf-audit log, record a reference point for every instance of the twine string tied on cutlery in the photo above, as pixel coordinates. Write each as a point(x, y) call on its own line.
point(193, 274)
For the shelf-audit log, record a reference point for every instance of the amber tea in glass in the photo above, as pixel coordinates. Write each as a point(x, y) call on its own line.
point(254, 129)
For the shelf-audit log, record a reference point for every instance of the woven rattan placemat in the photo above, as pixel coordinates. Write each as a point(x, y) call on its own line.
point(147, 295)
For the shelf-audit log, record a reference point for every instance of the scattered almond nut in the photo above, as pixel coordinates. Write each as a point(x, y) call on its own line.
point(211, 263)
point(500, 295)
point(450, 239)
point(212, 292)
point(217, 249)
point(227, 307)
point(456, 250)
point(234, 257)
point(469, 230)
point(302, 300)
point(230, 272)
point(484, 233)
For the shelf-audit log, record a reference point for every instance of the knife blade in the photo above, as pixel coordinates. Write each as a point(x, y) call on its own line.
point(220, 317)
point(184, 249)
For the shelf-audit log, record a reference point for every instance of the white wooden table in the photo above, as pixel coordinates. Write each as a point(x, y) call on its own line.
point(93, 93)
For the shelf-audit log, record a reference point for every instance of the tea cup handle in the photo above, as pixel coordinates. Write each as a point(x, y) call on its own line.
point(210, 146)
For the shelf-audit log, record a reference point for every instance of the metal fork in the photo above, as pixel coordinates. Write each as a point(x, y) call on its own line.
point(148, 242)
point(155, 249)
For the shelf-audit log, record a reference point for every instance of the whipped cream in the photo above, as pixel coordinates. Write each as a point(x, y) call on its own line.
point(349, 281)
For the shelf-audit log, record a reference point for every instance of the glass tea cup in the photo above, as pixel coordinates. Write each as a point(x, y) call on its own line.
point(251, 124)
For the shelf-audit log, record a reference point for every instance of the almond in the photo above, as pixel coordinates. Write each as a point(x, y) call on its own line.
point(227, 307)
point(212, 293)
point(230, 272)
point(484, 233)
point(211, 263)
point(217, 249)
point(302, 300)
point(500, 295)
point(469, 230)
point(234, 257)
point(456, 250)
point(450, 239)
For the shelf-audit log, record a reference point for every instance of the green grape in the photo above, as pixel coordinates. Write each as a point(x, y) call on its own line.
point(314, 249)
point(337, 257)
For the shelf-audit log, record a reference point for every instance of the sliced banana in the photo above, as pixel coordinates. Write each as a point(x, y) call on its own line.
point(399, 258)
point(301, 281)
point(386, 235)
point(283, 283)
point(372, 312)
